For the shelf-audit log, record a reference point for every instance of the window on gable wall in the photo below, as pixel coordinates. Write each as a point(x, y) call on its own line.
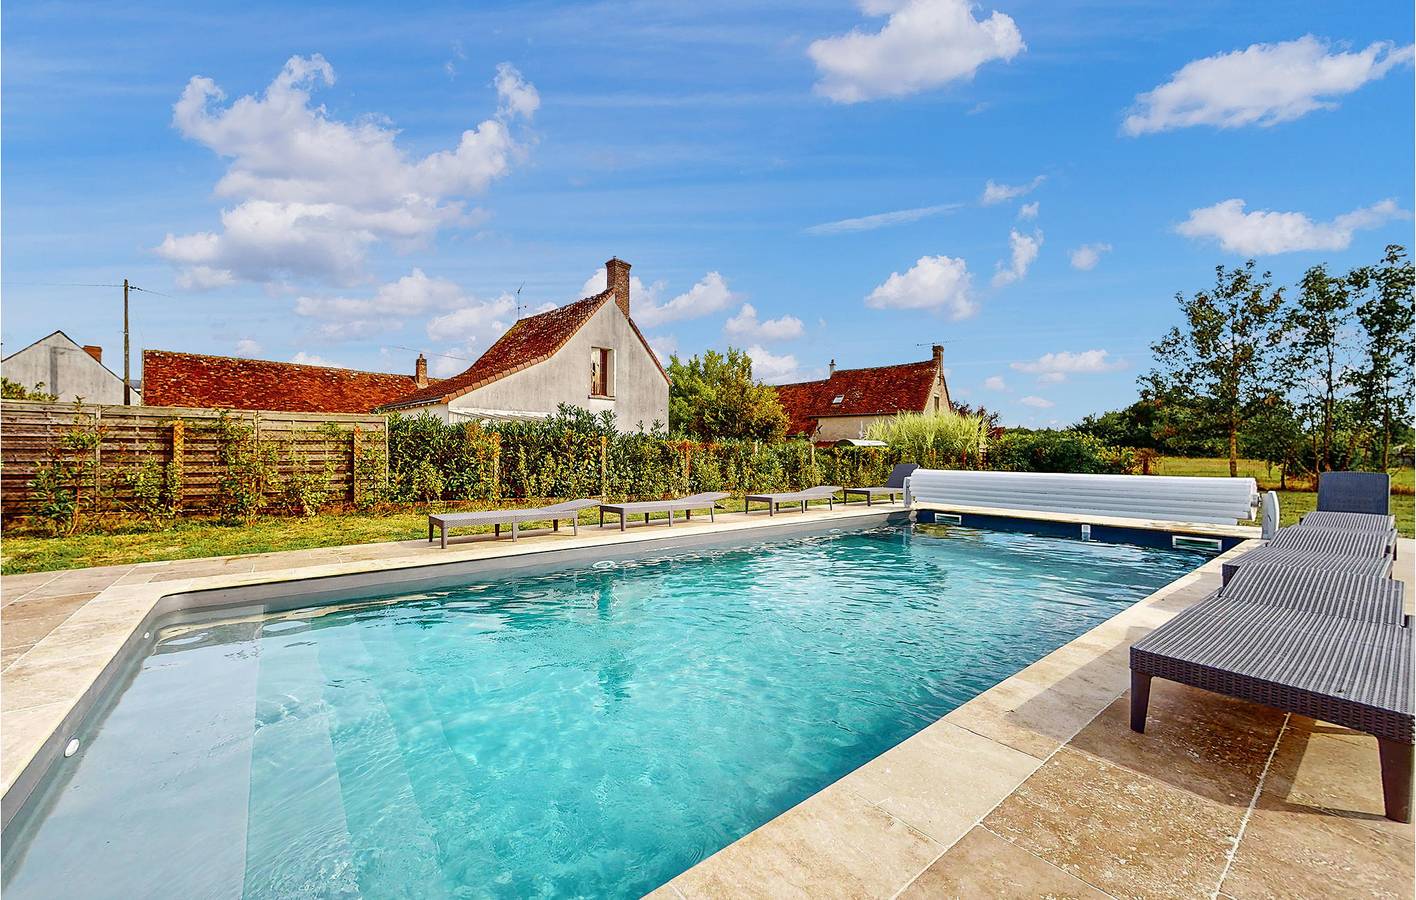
point(601, 372)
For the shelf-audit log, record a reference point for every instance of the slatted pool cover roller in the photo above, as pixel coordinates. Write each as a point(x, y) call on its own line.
point(1166, 498)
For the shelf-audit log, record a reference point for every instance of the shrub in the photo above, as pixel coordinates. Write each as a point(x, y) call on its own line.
point(1021, 450)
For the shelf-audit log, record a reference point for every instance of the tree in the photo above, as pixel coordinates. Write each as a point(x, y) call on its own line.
point(1382, 379)
point(715, 398)
point(1224, 357)
point(13, 390)
point(1314, 359)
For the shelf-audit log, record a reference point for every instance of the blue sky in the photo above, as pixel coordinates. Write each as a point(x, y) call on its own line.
point(825, 164)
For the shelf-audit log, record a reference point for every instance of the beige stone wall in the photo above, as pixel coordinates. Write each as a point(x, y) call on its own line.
point(641, 393)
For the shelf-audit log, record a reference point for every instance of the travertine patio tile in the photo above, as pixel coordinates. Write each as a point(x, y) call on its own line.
point(15, 587)
point(29, 630)
point(1126, 834)
point(38, 679)
point(1207, 744)
point(15, 748)
point(79, 581)
point(942, 780)
point(834, 844)
point(43, 607)
point(1329, 768)
point(983, 864)
point(1292, 851)
point(9, 655)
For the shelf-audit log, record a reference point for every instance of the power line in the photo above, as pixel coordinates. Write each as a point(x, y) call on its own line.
point(59, 284)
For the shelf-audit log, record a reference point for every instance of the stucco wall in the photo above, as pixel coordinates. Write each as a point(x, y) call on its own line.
point(641, 393)
point(58, 366)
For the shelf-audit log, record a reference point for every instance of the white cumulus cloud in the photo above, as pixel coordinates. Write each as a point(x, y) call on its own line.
point(995, 383)
point(1037, 402)
point(994, 193)
point(312, 194)
point(922, 45)
point(938, 283)
point(1087, 256)
point(1264, 231)
point(248, 347)
point(708, 296)
point(770, 367)
point(1055, 367)
point(1023, 250)
point(309, 359)
point(746, 325)
point(1028, 211)
point(1263, 84)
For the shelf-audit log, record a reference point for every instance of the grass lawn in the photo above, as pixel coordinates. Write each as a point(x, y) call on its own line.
point(33, 551)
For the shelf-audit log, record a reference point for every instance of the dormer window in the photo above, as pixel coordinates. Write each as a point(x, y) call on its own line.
point(602, 372)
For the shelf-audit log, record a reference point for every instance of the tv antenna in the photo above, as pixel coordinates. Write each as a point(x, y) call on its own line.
point(519, 306)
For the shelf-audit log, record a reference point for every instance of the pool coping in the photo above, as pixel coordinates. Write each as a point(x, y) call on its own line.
point(49, 692)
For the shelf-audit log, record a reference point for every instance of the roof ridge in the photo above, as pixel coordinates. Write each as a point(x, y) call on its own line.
point(276, 362)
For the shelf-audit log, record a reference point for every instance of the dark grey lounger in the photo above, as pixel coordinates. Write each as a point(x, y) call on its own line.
point(686, 505)
point(825, 492)
point(1355, 492)
point(1346, 521)
point(513, 517)
point(1342, 595)
point(894, 485)
point(1336, 543)
point(1307, 559)
point(1351, 673)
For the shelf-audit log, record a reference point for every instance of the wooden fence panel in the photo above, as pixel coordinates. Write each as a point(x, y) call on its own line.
point(123, 437)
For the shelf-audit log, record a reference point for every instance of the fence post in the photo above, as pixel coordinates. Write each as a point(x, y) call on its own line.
point(355, 443)
point(177, 447)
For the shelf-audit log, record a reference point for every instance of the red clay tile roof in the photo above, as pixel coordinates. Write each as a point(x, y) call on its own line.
point(881, 391)
point(222, 382)
point(531, 340)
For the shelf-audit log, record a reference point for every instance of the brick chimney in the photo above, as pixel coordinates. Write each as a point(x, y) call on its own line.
point(939, 356)
point(420, 371)
point(95, 352)
point(617, 278)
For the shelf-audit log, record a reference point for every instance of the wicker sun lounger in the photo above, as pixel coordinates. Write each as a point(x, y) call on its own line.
point(1336, 543)
point(1355, 492)
point(1307, 559)
point(894, 485)
point(685, 505)
point(1342, 595)
point(1346, 521)
point(513, 517)
point(1351, 673)
point(825, 492)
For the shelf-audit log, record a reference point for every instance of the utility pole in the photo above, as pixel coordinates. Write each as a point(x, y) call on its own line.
point(127, 374)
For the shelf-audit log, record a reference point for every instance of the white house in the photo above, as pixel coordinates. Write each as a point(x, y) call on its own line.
point(588, 354)
point(58, 365)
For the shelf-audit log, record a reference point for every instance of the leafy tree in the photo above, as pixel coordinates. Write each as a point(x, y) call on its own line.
point(1224, 356)
point(1382, 378)
point(715, 398)
point(13, 390)
point(1314, 358)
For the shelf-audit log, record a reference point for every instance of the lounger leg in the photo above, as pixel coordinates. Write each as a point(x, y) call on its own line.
point(710, 514)
point(622, 518)
point(1140, 699)
point(602, 518)
point(1396, 778)
point(555, 524)
point(430, 531)
point(575, 526)
point(515, 528)
point(671, 518)
point(771, 508)
point(443, 527)
point(803, 506)
point(688, 515)
point(496, 529)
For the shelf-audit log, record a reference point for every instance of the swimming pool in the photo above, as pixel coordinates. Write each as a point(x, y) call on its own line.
point(592, 731)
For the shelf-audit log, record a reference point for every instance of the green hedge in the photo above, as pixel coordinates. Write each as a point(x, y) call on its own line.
point(577, 454)
point(1021, 450)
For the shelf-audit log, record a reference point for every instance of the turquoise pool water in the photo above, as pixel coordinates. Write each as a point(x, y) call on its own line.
point(584, 733)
